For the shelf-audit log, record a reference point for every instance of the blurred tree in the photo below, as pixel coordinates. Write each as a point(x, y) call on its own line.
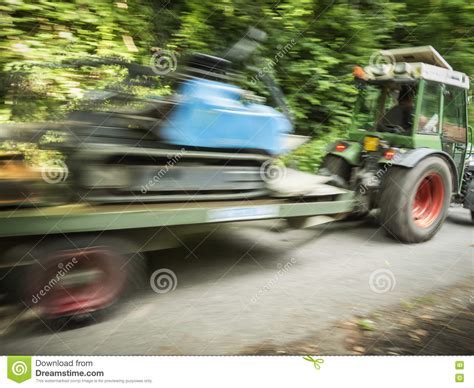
point(311, 49)
point(447, 25)
point(39, 34)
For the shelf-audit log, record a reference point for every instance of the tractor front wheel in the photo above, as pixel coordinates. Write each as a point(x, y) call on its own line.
point(414, 202)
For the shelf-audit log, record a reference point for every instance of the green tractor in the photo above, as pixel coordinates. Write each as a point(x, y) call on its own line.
point(409, 146)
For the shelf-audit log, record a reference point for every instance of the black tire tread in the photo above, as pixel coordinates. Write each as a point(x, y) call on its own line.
point(397, 189)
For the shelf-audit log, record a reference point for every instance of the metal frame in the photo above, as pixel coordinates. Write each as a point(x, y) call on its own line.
point(83, 218)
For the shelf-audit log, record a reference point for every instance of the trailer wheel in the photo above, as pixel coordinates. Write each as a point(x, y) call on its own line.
point(77, 279)
point(414, 202)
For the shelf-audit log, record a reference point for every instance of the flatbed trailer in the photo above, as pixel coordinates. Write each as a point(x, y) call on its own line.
point(88, 218)
point(75, 260)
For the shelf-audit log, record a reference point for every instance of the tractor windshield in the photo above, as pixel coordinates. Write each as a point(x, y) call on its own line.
point(386, 107)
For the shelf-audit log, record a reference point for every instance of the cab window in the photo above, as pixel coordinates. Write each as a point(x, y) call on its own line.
point(387, 107)
point(454, 115)
point(429, 120)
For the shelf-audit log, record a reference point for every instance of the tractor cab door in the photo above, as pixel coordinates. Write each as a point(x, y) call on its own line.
point(454, 125)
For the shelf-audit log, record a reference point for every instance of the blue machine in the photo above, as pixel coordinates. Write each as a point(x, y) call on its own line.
point(231, 136)
point(213, 114)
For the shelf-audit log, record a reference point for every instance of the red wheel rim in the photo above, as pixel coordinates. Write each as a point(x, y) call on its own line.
point(102, 282)
point(429, 200)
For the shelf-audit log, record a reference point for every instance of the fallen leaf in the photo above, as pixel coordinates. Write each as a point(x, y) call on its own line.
point(426, 317)
point(421, 332)
point(407, 321)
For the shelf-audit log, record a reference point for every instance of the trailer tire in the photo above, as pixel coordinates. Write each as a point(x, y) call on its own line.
point(54, 286)
point(414, 202)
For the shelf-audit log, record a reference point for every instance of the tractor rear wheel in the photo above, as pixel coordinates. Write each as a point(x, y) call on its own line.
point(414, 202)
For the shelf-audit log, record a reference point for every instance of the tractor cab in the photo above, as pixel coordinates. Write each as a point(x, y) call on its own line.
point(413, 100)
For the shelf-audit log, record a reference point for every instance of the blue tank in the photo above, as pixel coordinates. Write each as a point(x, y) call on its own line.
point(213, 114)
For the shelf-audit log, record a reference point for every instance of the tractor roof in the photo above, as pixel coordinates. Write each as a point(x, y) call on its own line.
point(412, 63)
point(424, 54)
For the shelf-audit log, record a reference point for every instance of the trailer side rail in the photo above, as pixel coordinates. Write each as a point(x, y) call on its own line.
point(85, 218)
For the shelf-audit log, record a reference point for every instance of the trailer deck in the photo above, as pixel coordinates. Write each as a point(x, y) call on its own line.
point(92, 218)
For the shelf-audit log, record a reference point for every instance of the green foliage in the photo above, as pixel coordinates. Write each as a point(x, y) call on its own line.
point(366, 324)
point(311, 49)
point(309, 156)
point(36, 36)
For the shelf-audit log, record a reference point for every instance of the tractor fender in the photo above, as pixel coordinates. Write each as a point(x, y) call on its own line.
point(351, 154)
point(411, 158)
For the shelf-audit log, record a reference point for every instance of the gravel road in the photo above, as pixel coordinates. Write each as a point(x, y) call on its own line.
point(253, 284)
